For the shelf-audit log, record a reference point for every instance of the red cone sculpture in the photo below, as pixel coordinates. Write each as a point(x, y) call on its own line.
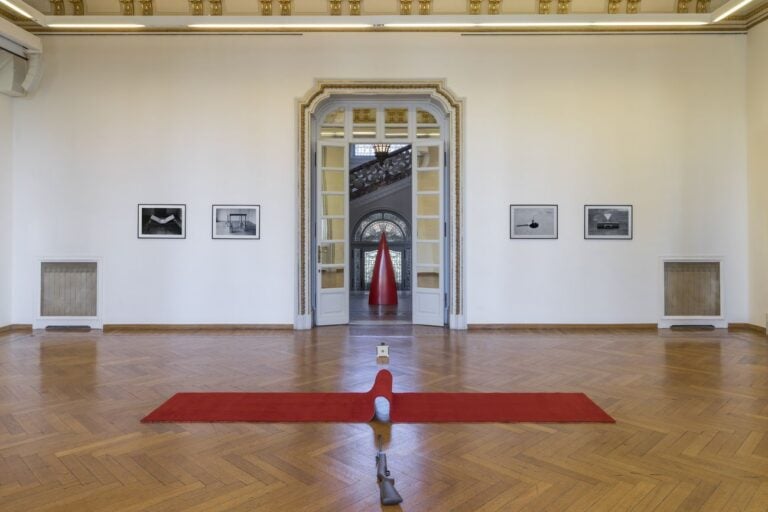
point(383, 286)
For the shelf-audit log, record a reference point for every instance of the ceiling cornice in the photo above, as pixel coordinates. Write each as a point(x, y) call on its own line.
point(524, 23)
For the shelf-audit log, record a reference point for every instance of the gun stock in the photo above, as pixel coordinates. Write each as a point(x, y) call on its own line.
point(387, 491)
point(389, 495)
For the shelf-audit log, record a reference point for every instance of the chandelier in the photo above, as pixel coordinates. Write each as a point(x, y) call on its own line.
point(381, 150)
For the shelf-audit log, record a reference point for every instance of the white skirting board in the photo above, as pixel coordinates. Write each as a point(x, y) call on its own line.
point(68, 321)
point(717, 322)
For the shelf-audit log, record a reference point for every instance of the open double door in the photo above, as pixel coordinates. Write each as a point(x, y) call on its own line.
point(332, 233)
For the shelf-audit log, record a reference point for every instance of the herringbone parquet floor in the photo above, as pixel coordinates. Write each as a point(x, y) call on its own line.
point(691, 431)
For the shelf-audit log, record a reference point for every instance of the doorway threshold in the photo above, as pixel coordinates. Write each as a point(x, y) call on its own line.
point(381, 322)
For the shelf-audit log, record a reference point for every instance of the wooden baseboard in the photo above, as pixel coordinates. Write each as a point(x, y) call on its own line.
point(521, 327)
point(132, 328)
point(746, 327)
point(7, 329)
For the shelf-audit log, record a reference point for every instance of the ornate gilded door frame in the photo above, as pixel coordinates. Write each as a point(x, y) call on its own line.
point(433, 91)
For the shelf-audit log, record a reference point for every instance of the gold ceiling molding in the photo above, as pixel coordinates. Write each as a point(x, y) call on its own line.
point(757, 15)
point(100, 11)
point(126, 7)
point(57, 7)
point(78, 7)
point(476, 6)
point(315, 9)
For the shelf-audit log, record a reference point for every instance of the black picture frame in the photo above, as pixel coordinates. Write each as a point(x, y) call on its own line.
point(543, 217)
point(236, 222)
point(162, 221)
point(608, 222)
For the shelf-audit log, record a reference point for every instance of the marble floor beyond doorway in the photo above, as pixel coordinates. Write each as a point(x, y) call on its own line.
point(360, 313)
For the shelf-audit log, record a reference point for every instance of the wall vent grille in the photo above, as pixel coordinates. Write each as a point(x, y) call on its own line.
point(68, 289)
point(692, 288)
point(692, 292)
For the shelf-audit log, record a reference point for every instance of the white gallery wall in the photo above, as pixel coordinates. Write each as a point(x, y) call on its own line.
point(6, 147)
point(656, 121)
point(757, 112)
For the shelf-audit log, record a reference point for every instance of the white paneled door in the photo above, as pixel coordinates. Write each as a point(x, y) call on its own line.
point(332, 234)
point(429, 234)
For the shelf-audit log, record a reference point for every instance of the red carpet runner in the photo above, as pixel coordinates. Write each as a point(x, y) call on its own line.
point(359, 407)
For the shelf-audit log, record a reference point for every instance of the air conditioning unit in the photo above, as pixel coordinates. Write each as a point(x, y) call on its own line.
point(20, 60)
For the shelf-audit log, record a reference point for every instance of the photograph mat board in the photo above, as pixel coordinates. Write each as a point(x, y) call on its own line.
point(608, 221)
point(236, 221)
point(533, 221)
point(162, 221)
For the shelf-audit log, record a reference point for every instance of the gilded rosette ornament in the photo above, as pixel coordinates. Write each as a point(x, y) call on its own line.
point(405, 7)
point(335, 7)
point(425, 6)
point(494, 6)
point(682, 6)
point(57, 7)
point(286, 7)
point(78, 8)
point(633, 6)
point(563, 6)
point(702, 6)
point(354, 7)
point(126, 7)
point(216, 7)
point(266, 7)
point(196, 7)
point(544, 6)
point(613, 6)
point(474, 6)
point(147, 8)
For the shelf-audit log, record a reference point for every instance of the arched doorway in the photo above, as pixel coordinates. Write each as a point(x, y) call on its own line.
point(331, 116)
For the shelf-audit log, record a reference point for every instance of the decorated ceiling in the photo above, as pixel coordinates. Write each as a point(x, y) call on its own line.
point(40, 16)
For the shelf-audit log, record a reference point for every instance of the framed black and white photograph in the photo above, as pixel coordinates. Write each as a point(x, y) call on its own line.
point(608, 222)
point(162, 221)
point(533, 221)
point(239, 222)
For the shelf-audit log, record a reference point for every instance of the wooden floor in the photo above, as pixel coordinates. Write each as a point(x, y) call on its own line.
point(691, 431)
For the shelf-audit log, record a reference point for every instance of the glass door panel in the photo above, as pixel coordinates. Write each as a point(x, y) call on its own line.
point(428, 215)
point(332, 218)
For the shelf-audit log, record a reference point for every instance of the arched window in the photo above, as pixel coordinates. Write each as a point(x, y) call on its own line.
point(370, 227)
point(367, 233)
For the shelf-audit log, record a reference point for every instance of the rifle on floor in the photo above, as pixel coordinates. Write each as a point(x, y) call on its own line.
point(389, 495)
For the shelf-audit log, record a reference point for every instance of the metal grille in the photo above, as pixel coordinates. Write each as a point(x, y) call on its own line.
point(68, 289)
